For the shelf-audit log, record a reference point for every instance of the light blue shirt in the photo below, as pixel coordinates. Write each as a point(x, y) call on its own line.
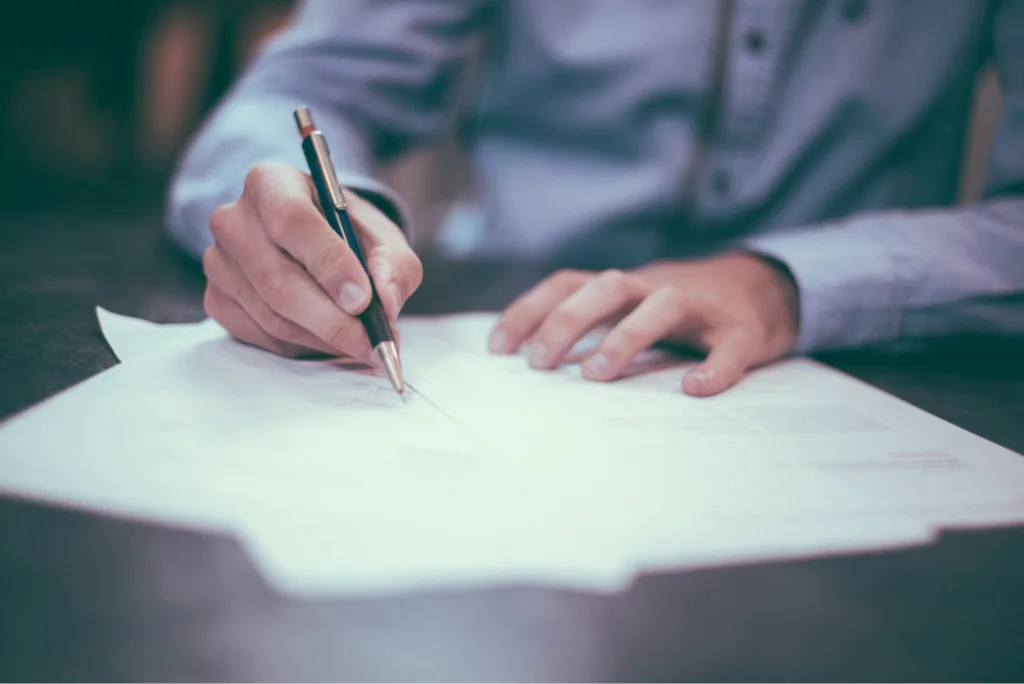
point(827, 134)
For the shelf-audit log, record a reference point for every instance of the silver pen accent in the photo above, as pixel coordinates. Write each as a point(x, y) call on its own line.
point(387, 352)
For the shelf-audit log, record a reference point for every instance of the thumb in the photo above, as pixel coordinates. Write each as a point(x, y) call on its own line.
point(727, 360)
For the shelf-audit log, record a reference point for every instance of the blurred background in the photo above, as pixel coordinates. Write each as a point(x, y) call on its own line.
point(99, 97)
point(118, 87)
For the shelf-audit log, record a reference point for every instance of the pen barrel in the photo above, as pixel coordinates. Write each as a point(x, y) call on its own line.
point(374, 320)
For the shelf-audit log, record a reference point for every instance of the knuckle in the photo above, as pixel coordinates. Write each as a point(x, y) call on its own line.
point(257, 177)
point(564, 318)
point(330, 263)
point(614, 279)
point(283, 214)
point(671, 297)
point(274, 288)
point(221, 221)
point(413, 268)
point(564, 281)
point(275, 327)
point(565, 277)
point(626, 338)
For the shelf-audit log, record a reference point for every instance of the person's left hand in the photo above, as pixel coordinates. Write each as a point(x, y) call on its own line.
point(740, 309)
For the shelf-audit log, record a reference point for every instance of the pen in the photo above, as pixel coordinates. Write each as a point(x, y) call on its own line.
point(335, 209)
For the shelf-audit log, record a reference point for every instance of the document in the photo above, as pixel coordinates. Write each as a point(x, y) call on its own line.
point(797, 437)
point(493, 473)
point(302, 460)
point(130, 338)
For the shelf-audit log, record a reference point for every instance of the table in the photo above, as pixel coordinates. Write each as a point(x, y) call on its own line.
point(89, 597)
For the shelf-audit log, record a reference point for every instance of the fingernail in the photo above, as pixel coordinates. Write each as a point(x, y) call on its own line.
point(595, 367)
point(695, 382)
point(536, 354)
point(498, 341)
point(352, 297)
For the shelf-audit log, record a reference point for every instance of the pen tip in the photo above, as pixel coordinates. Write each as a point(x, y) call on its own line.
point(388, 355)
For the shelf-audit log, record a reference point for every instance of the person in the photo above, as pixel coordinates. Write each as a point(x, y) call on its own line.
point(753, 178)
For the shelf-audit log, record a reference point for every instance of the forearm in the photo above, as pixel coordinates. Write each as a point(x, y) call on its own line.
point(375, 74)
point(894, 276)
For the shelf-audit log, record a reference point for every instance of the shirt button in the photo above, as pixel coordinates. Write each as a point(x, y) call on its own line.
point(721, 182)
point(754, 41)
point(854, 11)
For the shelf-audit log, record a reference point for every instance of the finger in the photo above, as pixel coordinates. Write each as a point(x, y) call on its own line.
point(288, 289)
point(283, 200)
point(396, 276)
point(284, 285)
point(522, 318)
point(396, 270)
point(663, 313)
point(240, 326)
point(728, 359)
point(600, 299)
point(227, 276)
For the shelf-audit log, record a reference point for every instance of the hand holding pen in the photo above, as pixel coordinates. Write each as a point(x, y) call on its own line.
point(279, 276)
point(334, 205)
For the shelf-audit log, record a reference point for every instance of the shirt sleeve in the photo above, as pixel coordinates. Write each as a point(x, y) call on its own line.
point(374, 73)
point(892, 276)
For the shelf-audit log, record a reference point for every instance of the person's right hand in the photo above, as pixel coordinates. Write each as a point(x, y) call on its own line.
point(278, 276)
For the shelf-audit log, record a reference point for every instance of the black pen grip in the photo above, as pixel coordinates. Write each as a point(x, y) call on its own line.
point(376, 322)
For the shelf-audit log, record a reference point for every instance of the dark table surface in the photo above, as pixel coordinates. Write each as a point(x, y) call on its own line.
point(88, 597)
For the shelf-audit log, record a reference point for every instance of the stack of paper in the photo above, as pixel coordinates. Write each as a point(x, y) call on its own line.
point(493, 472)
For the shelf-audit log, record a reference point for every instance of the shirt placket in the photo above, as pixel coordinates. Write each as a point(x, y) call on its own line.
point(756, 39)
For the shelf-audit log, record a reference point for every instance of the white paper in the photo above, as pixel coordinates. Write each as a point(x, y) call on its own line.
point(209, 433)
point(309, 562)
point(763, 441)
point(494, 473)
point(131, 338)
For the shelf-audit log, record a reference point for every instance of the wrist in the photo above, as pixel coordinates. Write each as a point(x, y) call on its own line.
point(778, 279)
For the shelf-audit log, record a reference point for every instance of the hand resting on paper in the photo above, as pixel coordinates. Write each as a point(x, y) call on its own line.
point(281, 279)
point(740, 309)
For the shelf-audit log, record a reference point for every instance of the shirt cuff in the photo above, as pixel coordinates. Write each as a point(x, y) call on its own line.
point(848, 286)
